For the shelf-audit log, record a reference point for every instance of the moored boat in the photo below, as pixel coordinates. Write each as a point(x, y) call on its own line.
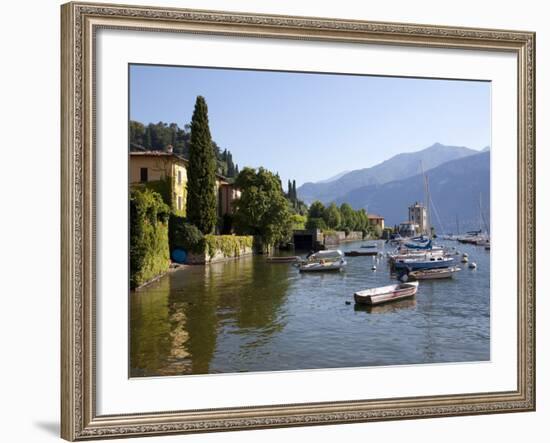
point(282, 259)
point(431, 274)
point(331, 260)
point(386, 294)
point(360, 253)
point(414, 264)
point(403, 254)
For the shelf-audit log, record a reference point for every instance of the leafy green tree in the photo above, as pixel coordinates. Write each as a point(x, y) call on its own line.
point(348, 217)
point(201, 174)
point(362, 220)
point(332, 216)
point(157, 136)
point(316, 210)
point(137, 133)
point(298, 221)
point(316, 223)
point(262, 209)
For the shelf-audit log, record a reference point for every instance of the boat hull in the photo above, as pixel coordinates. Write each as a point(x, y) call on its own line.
point(433, 274)
point(282, 259)
point(415, 265)
point(360, 253)
point(316, 267)
point(405, 290)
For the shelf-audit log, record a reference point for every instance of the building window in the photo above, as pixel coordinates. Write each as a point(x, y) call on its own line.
point(143, 175)
point(179, 177)
point(179, 203)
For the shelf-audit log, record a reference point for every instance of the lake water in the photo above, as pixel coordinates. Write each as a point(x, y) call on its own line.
point(249, 315)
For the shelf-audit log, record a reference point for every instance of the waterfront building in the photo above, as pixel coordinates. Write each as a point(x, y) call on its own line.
point(409, 229)
point(376, 220)
point(154, 167)
point(418, 215)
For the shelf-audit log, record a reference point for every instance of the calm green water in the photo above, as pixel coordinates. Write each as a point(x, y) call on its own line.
point(248, 315)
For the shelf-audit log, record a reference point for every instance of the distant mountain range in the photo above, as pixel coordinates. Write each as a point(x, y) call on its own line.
point(396, 168)
point(333, 178)
point(457, 177)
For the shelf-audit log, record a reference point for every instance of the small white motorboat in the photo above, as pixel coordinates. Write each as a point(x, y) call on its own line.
point(386, 294)
point(331, 260)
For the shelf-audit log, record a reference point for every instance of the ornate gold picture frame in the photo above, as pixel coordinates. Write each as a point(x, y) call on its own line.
point(80, 22)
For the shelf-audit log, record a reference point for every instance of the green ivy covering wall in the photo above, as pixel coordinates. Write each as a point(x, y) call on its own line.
point(229, 245)
point(149, 251)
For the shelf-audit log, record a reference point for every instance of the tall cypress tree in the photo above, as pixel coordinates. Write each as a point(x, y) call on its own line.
point(294, 196)
point(201, 175)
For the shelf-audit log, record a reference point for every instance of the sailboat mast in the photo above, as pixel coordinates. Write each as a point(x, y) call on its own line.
point(428, 218)
point(480, 215)
point(426, 200)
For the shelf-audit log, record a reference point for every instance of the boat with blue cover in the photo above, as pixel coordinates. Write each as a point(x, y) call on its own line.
point(413, 264)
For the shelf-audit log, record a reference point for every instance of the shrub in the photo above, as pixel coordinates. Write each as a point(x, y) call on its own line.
point(229, 245)
point(226, 223)
point(298, 221)
point(184, 235)
point(149, 252)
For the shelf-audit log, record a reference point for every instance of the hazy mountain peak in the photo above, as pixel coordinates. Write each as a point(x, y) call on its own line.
point(334, 177)
point(455, 187)
point(397, 167)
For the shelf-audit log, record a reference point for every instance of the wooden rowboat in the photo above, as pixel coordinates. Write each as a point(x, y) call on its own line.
point(386, 294)
point(429, 274)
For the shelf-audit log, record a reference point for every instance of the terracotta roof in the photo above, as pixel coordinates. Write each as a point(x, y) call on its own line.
point(375, 216)
point(170, 154)
point(159, 154)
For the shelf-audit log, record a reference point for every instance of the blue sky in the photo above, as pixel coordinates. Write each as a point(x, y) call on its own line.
point(309, 127)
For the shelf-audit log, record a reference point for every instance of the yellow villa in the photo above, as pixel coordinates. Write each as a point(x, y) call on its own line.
point(154, 166)
point(376, 220)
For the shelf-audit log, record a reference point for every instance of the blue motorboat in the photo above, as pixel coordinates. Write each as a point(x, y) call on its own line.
point(413, 264)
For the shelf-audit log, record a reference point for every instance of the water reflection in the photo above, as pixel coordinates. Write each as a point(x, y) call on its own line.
point(249, 315)
point(178, 320)
point(387, 307)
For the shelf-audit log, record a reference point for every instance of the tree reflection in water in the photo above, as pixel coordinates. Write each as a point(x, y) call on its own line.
point(177, 322)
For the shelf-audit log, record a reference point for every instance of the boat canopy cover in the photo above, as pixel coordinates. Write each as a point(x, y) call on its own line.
point(420, 238)
point(331, 254)
point(427, 245)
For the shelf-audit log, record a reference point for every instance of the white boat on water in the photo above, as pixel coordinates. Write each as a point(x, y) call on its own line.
point(483, 242)
point(322, 261)
point(386, 294)
point(404, 254)
point(431, 274)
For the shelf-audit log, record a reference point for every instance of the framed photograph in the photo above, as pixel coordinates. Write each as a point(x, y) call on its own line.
point(277, 221)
